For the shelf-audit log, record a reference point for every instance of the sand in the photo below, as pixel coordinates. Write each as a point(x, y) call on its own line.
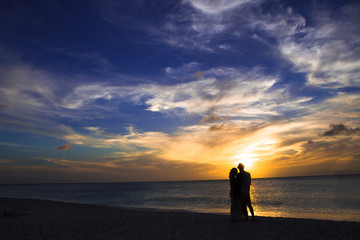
point(42, 219)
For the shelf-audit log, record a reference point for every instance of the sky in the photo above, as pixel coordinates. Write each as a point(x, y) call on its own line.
point(168, 90)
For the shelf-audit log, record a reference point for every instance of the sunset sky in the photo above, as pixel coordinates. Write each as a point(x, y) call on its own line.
point(163, 90)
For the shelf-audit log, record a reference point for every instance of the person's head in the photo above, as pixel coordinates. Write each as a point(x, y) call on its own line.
point(233, 173)
point(241, 166)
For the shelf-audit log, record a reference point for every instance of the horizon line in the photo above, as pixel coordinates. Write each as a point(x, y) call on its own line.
point(167, 181)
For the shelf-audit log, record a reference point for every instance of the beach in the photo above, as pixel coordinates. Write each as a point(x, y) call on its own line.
point(43, 219)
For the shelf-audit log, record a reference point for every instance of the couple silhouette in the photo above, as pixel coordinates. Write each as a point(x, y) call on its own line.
point(240, 193)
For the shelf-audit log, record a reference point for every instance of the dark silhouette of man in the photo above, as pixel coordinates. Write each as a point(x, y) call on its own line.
point(244, 182)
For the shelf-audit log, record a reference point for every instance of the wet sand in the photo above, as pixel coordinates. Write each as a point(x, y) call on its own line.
point(42, 219)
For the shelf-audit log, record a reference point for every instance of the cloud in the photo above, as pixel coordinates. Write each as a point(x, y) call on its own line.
point(10, 144)
point(188, 30)
point(246, 132)
point(202, 25)
point(33, 85)
point(241, 97)
point(198, 74)
point(295, 133)
point(95, 130)
point(37, 107)
point(192, 25)
point(211, 119)
point(64, 147)
point(182, 28)
point(216, 115)
point(6, 161)
point(310, 142)
point(22, 146)
point(223, 127)
point(341, 129)
point(129, 142)
point(179, 99)
point(293, 154)
point(216, 6)
point(189, 69)
point(141, 167)
point(323, 50)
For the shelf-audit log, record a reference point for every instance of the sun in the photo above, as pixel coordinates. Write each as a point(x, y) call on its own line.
point(246, 158)
point(253, 150)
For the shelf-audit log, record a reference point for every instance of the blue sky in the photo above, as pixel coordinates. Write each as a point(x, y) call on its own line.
point(94, 91)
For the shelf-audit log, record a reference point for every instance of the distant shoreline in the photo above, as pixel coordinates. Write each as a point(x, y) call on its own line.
point(36, 219)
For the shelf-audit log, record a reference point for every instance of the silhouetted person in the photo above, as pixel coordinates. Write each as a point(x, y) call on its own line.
point(234, 195)
point(244, 182)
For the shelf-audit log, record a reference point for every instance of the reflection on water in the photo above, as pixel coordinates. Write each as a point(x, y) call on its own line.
point(330, 197)
point(334, 198)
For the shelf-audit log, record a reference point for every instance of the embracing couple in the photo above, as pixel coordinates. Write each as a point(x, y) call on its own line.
point(240, 193)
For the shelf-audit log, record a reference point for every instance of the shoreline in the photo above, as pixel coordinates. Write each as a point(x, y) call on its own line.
point(307, 216)
point(35, 219)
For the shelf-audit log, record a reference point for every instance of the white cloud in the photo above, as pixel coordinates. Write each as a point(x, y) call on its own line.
point(95, 130)
point(231, 92)
point(283, 23)
point(30, 99)
point(327, 50)
point(22, 146)
point(193, 25)
point(183, 71)
point(216, 6)
point(22, 85)
point(242, 88)
point(198, 25)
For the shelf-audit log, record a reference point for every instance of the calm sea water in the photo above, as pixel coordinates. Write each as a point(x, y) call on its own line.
point(325, 197)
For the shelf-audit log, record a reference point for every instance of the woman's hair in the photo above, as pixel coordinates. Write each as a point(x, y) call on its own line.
point(233, 173)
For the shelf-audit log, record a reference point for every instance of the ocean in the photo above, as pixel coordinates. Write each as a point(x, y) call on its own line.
point(320, 197)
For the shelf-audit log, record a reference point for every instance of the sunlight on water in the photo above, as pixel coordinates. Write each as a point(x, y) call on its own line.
point(333, 198)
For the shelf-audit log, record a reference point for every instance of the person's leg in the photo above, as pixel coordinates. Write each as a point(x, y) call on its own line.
point(239, 209)
point(248, 203)
point(233, 212)
point(233, 208)
point(252, 212)
point(243, 206)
